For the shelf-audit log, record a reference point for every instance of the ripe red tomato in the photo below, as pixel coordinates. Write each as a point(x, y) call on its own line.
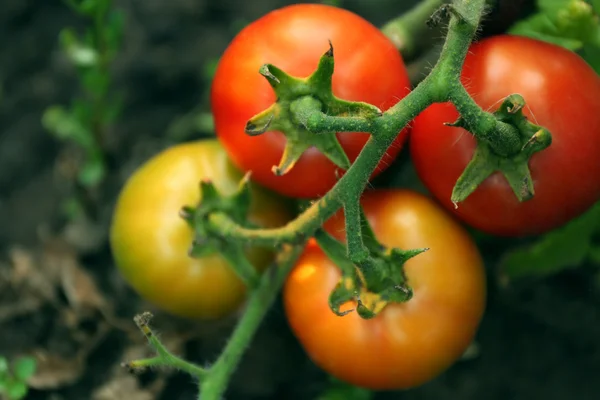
point(406, 344)
point(562, 94)
point(367, 68)
point(150, 242)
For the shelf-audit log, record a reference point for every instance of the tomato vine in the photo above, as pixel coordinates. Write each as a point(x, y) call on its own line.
point(308, 105)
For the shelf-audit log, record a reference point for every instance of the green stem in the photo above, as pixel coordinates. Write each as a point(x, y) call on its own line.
point(215, 382)
point(345, 193)
point(503, 138)
point(320, 122)
point(409, 29)
point(357, 251)
point(235, 256)
point(164, 358)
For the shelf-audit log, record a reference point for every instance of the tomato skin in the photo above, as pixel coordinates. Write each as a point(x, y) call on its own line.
point(150, 242)
point(407, 344)
point(293, 38)
point(562, 94)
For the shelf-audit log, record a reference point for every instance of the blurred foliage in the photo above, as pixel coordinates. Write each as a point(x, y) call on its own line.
point(85, 121)
point(13, 381)
point(573, 24)
point(339, 390)
point(567, 247)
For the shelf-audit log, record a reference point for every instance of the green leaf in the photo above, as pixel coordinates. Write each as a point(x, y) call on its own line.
point(63, 125)
point(210, 68)
point(344, 391)
point(560, 249)
point(114, 30)
point(92, 171)
point(552, 6)
point(3, 365)
point(25, 368)
point(16, 390)
point(96, 82)
point(591, 54)
point(80, 54)
point(72, 208)
point(568, 23)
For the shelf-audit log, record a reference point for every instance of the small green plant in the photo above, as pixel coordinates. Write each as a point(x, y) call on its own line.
point(13, 381)
point(86, 120)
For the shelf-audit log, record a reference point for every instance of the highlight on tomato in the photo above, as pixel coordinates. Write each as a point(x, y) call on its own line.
point(562, 94)
point(150, 241)
point(407, 344)
point(367, 68)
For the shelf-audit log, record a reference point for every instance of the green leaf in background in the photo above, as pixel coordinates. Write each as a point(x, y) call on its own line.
point(343, 391)
point(3, 366)
point(92, 172)
point(96, 82)
point(80, 54)
point(563, 248)
point(16, 390)
point(65, 126)
point(114, 30)
point(25, 368)
point(573, 24)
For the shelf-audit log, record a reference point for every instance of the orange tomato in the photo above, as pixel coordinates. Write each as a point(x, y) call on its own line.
point(407, 344)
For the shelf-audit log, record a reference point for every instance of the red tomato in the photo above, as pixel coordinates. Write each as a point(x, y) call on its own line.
point(367, 68)
point(562, 94)
point(406, 344)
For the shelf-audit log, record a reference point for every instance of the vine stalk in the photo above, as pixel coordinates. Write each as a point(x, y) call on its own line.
point(443, 84)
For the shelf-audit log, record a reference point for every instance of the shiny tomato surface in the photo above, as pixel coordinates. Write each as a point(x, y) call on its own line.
point(367, 68)
point(562, 94)
point(407, 344)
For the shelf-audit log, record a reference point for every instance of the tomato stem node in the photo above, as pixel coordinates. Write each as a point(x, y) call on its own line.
point(164, 358)
point(531, 138)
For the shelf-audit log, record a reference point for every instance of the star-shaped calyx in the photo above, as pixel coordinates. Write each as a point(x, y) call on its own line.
point(373, 284)
point(515, 167)
point(236, 206)
point(297, 98)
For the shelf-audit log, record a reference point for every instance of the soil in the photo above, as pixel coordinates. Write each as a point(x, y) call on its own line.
point(62, 300)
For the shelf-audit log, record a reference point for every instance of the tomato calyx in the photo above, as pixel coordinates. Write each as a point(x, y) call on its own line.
point(208, 240)
point(295, 113)
point(374, 283)
point(514, 167)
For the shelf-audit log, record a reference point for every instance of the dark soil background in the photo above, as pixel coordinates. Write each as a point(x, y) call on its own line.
point(62, 300)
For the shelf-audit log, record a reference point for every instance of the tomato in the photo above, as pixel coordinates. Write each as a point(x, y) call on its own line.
point(562, 94)
point(406, 344)
point(150, 241)
point(367, 68)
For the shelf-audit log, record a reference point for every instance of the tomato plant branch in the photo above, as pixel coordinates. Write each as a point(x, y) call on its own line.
point(308, 114)
point(357, 251)
point(164, 358)
point(384, 128)
point(215, 380)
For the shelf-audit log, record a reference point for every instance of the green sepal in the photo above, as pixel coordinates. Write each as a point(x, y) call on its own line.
point(339, 296)
point(297, 99)
point(514, 167)
point(377, 283)
point(236, 206)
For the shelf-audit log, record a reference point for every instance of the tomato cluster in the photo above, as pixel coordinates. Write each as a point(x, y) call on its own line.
point(410, 343)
